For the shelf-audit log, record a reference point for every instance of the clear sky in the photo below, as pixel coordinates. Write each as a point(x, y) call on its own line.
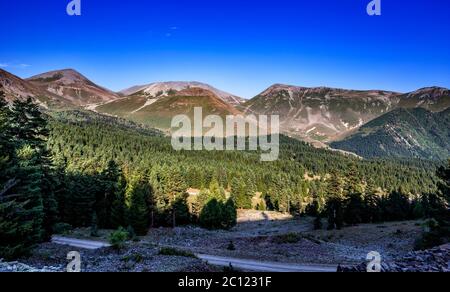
point(241, 46)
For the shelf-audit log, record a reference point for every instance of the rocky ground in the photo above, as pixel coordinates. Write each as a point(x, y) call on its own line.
point(20, 267)
point(262, 236)
point(292, 240)
point(137, 257)
point(433, 260)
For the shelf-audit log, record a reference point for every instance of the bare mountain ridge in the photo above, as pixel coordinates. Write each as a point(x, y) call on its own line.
point(16, 88)
point(73, 86)
point(158, 111)
point(160, 89)
point(323, 114)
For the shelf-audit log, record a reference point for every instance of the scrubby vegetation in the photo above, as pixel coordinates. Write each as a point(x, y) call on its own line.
point(167, 251)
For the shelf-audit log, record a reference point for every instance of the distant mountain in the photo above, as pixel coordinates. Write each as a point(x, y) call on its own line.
point(158, 109)
point(73, 87)
point(321, 114)
point(432, 98)
point(16, 88)
point(161, 89)
point(416, 132)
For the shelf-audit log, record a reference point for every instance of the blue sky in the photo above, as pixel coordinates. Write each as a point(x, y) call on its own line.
point(241, 46)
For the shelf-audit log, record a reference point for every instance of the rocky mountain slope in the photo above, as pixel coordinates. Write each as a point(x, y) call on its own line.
point(158, 111)
point(414, 132)
point(162, 89)
point(17, 88)
point(321, 114)
point(327, 114)
point(73, 87)
point(434, 99)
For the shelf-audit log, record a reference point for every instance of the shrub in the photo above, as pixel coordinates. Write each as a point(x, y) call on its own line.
point(288, 238)
point(136, 257)
point(118, 238)
point(434, 235)
point(62, 228)
point(168, 251)
point(231, 246)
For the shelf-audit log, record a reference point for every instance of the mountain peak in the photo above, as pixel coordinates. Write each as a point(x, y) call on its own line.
point(430, 92)
point(64, 76)
point(160, 89)
point(73, 86)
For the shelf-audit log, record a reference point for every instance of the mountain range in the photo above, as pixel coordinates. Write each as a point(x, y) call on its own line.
point(349, 120)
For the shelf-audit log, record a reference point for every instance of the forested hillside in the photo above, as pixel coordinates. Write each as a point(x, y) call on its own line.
point(407, 133)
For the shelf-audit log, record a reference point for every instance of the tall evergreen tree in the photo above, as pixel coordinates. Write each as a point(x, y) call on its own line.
point(22, 141)
point(230, 214)
point(13, 223)
point(371, 203)
point(241, 193)
point(397, 206)
point(335, 202)
point(111, 200)
point(118, 204)
point(138, 194)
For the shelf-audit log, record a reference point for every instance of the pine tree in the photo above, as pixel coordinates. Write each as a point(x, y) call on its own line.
point(371, 203)
point(397, 206)
point(334, 203)
point(317, 216)
point(211, 215)
point(29, 128)
point(442, 213)
point(354, 202)
point(21, 208)
point(79, 199)
point(444, 184)
point(94, 225)
point(181, 210)
point(241, 193)
point(111, 202)
point(139, 193)
point(354, 209)
point(14, 225)
point(118, 204)
point(230, 214)
point(216, 191)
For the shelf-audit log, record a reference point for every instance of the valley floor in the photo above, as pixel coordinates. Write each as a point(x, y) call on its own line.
point(259, 236)
point(292, 240)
